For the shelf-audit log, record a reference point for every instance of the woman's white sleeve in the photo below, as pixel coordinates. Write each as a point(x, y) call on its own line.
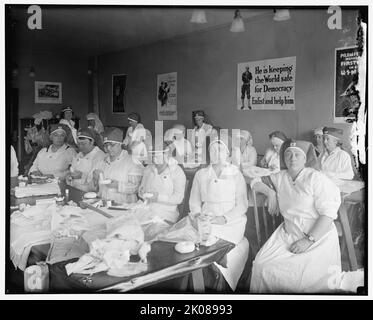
point(195, 200)
point(241, 199)
point(327, 197)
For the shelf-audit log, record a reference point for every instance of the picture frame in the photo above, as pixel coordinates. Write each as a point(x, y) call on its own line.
point(118, 93)
point(48, 92)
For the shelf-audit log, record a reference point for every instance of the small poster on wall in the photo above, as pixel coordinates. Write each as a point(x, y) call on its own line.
point(48, 92)
point(266, 84)
point(167, 96)
point(119, 83)
point(346, 73)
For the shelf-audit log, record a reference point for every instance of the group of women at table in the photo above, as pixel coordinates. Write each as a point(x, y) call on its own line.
point(298, 182)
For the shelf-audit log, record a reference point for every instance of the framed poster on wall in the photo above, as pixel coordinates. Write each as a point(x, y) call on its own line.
point(345, 78)
point(118, 98)
point(48, 92)
point(167, 96)
point(266, 84)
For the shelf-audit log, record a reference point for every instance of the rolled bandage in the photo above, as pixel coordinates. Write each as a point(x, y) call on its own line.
point(90, 195)
point(147, 195)
point(185, 247)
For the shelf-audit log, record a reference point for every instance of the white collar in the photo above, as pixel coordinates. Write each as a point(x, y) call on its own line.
point(89, 154)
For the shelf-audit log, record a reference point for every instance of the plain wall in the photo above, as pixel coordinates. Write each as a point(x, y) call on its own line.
point(206, 66)
point(69, 69)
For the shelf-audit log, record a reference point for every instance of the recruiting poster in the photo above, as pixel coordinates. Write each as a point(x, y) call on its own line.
point(346, 73)
point(167, 96)
point(266, 84)
point(119, 84)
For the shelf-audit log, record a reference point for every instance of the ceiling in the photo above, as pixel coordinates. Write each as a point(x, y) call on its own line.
point(94, 30)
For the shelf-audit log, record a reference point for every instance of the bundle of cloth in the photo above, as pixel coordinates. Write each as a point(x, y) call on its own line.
point(123, 238)
point(32, 190)
point(28, 228)
point(49, 223)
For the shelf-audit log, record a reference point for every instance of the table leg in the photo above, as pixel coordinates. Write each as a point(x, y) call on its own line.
point(348, 237)
point(198, 281)
point(184, 283)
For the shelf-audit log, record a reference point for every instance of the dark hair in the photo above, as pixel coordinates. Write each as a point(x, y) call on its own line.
point(135, 116)
point(200, 113)
point(62, 115)
point(278, 134)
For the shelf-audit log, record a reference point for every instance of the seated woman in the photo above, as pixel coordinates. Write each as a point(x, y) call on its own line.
point(219, 196)
point(13, 163)
point(180, 148)
point(271, 159)
point(163, 185)
point(270, 163)
point(244, 155)
point(55, 160)
point(319, 139)
point(117, 176)
point(66, 119)
point(335, 162)
point(299, 255)
point(81, 170)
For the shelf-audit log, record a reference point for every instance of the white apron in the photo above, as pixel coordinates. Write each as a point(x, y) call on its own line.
point(221, 199)
point(85, 165)
point(125, 171)
point(162, 183)
point(275, 268)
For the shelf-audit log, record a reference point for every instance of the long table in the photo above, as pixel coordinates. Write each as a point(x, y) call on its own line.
point(164, 263)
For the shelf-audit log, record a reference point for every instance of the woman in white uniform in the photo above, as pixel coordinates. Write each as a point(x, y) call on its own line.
point(95, 123)
point(164, 184)
point(56, 159)
point(271, 159)
point(180, 147)
point(120, 175)
point(244, 154)
point(219, 198)
point(335, 162)
point(137, 137)
point(13, 163)
point(81, 170)
point(198, 140)
point(319, 139)
point(302, 253)
point(67, 114)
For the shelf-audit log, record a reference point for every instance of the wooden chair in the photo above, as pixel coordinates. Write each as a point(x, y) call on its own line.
point(345, 234)
point(270, 222)
point(183, 207)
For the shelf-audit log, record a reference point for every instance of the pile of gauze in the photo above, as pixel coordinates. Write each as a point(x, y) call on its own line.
point(124, 237)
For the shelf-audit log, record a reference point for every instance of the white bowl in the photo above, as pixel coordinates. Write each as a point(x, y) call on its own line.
point(185, 247)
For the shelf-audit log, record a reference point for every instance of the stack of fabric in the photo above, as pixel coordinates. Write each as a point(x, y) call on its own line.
point(37, 190)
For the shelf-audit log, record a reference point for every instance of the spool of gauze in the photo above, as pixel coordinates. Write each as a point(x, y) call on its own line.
point(90, 195)
point(107, 181)
point(185, 247)
point(147, 195)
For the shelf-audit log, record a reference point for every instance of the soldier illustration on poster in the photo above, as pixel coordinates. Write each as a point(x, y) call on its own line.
point(245, 88)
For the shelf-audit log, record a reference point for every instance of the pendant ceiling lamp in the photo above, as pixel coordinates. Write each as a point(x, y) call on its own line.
point(237, 23)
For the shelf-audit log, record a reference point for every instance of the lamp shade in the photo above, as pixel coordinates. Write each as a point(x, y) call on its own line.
point(237, 23)
point(281, 15)
point(198, 16)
